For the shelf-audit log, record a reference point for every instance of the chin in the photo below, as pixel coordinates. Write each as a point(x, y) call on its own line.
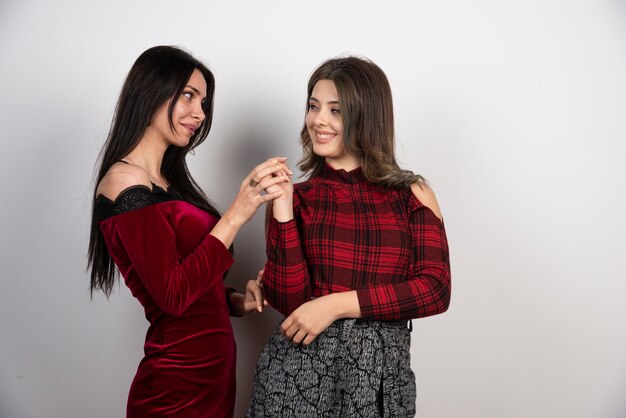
point(181, 143)
point(321, 152)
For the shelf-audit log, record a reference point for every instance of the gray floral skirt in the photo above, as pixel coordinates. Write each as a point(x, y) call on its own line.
point(353, 369)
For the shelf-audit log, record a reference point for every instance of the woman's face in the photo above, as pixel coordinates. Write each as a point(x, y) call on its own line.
point(187, 116)
point(325, 126)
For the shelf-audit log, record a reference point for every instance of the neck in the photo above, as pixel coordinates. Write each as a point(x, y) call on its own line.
point(149, 156)
point(347, 165)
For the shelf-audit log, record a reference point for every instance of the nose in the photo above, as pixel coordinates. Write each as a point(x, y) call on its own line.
point(320, 118)
point(198, 112)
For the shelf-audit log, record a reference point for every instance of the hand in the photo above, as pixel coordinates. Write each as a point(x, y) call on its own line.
point(285, 187)
point(264, 177)
point(310, 320)
point(252, 300)
point(282, 206)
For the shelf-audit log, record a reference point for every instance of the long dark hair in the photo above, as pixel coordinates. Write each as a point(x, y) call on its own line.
point(159, 74)
point(367, 114)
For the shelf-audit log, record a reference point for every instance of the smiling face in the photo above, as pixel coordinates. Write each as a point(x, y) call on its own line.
point(325, 126)
point(187, 115)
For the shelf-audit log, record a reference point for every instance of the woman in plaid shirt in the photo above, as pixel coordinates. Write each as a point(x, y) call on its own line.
point(353, 253)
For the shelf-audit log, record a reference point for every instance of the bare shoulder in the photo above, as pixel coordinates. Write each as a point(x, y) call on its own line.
point(426, 195)
point(120, 177)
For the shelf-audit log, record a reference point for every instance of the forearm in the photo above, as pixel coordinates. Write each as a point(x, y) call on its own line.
point(286, 280)
point(226, 229)
point(426, 295)
point(282, 209)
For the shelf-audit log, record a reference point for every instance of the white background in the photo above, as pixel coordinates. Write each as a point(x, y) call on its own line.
point(514, 110)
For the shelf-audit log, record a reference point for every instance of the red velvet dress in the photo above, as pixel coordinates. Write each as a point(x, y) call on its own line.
point(170, 263)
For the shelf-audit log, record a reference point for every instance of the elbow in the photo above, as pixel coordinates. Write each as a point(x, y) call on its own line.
point(282, 302)
point(444, 294)
point(281, 305)
point(439, 299)
point(444, 300)
point(176, 298)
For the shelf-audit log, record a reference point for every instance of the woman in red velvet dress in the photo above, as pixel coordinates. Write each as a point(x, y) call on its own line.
point(153, 224)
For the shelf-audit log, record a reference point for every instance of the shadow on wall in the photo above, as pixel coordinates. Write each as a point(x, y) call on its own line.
point(250, 144)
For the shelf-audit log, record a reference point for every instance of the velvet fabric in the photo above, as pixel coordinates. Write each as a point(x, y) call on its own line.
point(175, 269)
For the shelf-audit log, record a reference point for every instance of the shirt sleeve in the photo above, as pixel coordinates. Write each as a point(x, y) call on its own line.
point(286, 280)
point(426, 291)
point(148, 240)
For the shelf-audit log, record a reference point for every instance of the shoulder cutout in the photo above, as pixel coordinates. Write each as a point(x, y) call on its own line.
point(425, 194)
point(120, 177)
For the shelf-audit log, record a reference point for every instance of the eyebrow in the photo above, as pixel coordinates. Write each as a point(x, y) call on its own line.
point(330, 102)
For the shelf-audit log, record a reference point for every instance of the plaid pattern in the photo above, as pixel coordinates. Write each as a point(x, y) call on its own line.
point(350, 234)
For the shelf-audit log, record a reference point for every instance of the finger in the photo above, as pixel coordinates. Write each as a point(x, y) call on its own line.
point(268, 168)
point(257, 295)
point(291, 332)
point(300, 335)
point(261, 185)
point(308, 340)
point(279, 159)
point(273, 171)
point(270, 181)
point(252, 306)
point(269, 196)
point(286, 325)
point(249, 306)
point(263, 170)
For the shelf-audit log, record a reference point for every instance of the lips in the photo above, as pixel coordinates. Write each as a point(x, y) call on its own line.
point(190, 128)
point(324, 137)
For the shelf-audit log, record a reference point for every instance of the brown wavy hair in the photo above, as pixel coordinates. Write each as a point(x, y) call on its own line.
point(367, 113)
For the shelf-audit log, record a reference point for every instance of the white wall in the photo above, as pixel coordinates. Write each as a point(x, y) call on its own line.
point(515, 110)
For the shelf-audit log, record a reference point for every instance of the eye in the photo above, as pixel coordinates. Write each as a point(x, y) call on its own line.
point(187, 94)
point(335, 111)
point(312, 106)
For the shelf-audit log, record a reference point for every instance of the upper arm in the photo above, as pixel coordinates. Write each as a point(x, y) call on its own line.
point(425, 194)
point(120, 177)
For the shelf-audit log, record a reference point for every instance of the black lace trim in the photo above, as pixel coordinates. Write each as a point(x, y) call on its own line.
point(131, 198)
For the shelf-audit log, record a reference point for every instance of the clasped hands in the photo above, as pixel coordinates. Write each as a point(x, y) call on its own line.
point(250, 301)
point(267, 176)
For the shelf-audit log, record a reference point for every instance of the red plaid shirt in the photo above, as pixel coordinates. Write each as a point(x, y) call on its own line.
point(350, 234)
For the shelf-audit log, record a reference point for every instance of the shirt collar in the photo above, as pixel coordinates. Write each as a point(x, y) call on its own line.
point(342, 176)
